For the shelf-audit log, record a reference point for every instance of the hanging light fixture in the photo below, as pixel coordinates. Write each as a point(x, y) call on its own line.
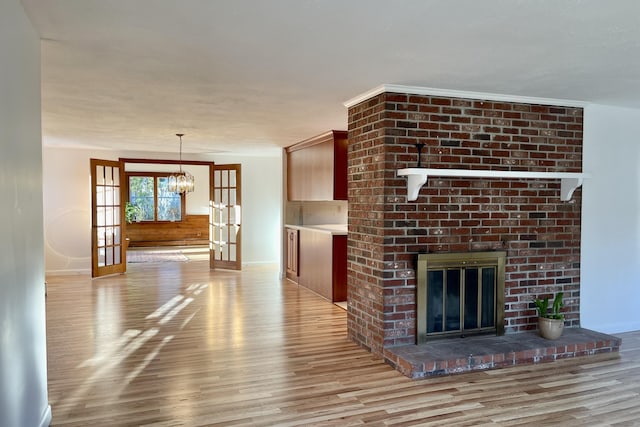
point(181, 182)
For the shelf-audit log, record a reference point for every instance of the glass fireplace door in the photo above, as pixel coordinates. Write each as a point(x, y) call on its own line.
point(461, 300)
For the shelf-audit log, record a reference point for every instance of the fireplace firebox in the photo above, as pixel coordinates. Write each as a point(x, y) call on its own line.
point(460, 294)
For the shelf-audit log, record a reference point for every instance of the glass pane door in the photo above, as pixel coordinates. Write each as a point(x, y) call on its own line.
point(225, 218)
point(108, 251)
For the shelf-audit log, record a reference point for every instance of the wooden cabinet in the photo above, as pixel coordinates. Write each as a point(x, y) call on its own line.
point(317, 168)
point(323, 264)
point(292, 251)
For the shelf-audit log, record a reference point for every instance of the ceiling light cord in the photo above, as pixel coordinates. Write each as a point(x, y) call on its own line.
point(181, 182)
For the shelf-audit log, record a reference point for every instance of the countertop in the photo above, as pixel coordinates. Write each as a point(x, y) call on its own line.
point(334, 229)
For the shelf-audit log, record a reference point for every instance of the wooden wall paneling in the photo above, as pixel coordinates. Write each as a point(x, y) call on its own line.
point(193, 230)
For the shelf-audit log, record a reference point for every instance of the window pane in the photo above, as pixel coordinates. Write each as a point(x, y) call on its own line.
point(108, 196)
point(101, 257)
point(99, 175)
point(100, 196)
point(141, 191)
point(116, 176)
point(109, 236)
point(109, 252)
point(169, 203)
point(108, 176)
point(108, 216)
point(100, 236)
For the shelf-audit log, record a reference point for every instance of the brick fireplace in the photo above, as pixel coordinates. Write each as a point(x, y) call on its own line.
point(523, 217)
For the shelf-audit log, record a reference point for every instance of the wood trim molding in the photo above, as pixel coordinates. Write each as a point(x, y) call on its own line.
point(166, 162)
point(324, 137)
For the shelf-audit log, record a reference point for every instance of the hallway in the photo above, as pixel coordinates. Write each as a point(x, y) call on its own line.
point(174, 343)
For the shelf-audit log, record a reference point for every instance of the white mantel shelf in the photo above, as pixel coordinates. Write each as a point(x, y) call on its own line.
point(417, 177)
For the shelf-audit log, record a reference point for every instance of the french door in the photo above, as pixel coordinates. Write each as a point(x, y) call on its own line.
point(225, 217)
point(107, 212)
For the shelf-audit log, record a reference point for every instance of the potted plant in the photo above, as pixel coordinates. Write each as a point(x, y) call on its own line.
point(131, 212)
point(550, 323)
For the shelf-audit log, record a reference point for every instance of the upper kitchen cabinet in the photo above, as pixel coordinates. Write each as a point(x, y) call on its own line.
point(317, 168)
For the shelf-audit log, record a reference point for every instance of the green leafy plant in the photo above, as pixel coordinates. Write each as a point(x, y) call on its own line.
point(543, 307)
point(131, 212)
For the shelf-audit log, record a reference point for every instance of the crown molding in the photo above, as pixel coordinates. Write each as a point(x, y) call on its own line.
point(418, 90)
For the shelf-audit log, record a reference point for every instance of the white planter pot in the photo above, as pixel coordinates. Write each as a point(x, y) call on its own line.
point(550, 329)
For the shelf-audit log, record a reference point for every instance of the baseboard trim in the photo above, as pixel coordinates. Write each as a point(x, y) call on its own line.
point(69, 272)
point(45, 420)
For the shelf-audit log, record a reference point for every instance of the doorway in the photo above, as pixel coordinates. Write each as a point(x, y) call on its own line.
point(111, 234)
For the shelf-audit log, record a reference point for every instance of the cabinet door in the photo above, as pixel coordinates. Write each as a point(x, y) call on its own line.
point(339, 270)
point(315, 262)
point(292, 253)
point(317, 168)
point(310, 172)
point(321, 171)
point(298, 175)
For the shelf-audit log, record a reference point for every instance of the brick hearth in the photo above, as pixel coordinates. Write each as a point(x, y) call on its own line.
point(458, 355)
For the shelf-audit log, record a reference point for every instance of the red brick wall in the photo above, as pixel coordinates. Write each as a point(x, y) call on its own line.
point(540, 233)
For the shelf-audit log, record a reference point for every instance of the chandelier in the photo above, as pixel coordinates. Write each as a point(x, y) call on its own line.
point(181, 182)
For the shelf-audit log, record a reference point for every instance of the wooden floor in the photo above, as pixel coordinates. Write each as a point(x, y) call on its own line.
point(174, 344)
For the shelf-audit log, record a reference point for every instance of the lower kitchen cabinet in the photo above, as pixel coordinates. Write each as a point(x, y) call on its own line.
point(322, 263)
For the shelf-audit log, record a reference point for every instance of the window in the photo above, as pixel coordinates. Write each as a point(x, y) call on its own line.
point(148, 193)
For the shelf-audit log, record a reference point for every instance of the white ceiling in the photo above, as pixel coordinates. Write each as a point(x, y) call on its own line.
point(250, 76)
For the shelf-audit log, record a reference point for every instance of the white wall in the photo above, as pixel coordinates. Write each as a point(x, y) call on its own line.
point(23, 353)
point(67, 202)
point(261, 206)
point(610, 265)
point(67, 210)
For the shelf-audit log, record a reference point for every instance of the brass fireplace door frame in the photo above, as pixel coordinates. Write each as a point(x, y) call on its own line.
point(433, 261)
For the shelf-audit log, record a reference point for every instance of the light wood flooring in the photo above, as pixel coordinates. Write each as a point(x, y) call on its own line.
point(176, 344)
